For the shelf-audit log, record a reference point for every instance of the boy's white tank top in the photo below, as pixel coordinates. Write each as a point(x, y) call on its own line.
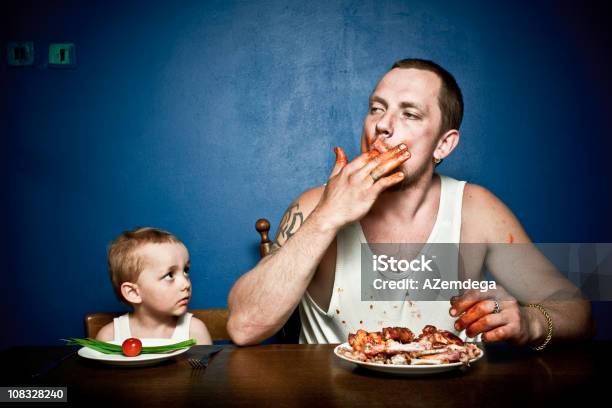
point(121, 325)
point(348, 313)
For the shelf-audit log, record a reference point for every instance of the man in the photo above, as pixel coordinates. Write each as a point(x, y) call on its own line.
point(412, 124)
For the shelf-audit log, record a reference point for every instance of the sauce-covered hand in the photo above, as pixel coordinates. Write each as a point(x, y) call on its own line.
point(496, 314)
point(353, 187)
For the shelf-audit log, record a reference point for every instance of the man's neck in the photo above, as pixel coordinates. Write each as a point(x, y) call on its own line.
point(406, 204)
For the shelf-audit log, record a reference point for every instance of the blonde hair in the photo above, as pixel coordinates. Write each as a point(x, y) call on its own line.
point(123, 263)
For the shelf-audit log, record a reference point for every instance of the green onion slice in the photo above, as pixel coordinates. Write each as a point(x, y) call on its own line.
point(108, 348)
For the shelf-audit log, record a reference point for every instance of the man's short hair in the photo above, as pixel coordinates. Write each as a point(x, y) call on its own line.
point(450, 99)
point(124, 265)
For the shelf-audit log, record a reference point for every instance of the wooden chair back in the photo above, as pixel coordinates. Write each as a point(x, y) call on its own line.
point(265, 245)
point(214, 319)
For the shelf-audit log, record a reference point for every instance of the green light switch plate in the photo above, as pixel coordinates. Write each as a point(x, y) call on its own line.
point(62, 55)
point(20, 53)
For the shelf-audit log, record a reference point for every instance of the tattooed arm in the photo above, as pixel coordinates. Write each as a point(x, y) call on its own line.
point(262, 300)
point(292, 220)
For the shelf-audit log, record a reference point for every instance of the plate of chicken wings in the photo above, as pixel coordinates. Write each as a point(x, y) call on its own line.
point(397, 350)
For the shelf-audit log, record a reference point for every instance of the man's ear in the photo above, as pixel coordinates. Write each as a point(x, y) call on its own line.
point(131, 292)
point(447, 143)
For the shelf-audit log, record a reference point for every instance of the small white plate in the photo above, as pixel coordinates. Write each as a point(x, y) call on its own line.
point(137, 361)
point(403, 369)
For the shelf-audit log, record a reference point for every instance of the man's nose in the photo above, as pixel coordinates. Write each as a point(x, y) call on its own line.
point(384, 126)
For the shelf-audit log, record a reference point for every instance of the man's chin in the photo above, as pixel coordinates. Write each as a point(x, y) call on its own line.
point(408, 181)
point(401, 186)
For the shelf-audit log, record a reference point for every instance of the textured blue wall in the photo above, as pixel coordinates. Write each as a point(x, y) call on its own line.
point(203, 117)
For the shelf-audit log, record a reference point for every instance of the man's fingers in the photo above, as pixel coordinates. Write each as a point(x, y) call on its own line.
point(341, 161)
point(389, 165)
point(498, 334)
point(381, 158)
point(387, 182)
point(485, 324)
point(340, 154)
point(474, 313)
point(364, 144)
point(361, 161)
point(460, 304)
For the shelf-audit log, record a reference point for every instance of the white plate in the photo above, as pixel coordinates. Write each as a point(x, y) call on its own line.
point(403, 369)
point(137, 361)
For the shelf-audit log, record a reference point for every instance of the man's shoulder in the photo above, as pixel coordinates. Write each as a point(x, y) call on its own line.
point(476, 197)
point(486, 218)
point(479, 201)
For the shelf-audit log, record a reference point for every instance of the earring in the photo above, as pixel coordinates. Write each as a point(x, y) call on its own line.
point(436, 160)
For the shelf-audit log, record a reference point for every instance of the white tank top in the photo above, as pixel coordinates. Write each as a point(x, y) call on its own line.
point(121, 325)
point(347, 313)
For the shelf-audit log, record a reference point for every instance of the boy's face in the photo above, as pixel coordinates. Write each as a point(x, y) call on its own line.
point(164, 286)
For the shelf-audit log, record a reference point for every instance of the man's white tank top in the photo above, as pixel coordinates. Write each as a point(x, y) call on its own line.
point(348, 313)
point(121, 325)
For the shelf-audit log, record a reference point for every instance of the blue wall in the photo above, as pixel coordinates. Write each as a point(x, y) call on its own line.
point(203, 117)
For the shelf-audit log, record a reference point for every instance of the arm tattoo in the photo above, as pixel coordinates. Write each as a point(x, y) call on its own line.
point(291, 222)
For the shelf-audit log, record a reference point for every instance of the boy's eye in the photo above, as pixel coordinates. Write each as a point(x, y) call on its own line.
point(168, 276)
point(375, 109)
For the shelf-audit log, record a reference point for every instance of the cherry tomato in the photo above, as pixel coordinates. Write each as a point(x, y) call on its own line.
point(131, 347)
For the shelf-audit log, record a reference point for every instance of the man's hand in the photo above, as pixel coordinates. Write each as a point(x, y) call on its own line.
point(477, 310)
point(353, 188)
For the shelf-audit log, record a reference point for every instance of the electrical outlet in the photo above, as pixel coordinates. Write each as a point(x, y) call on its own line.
point(20, 53)
point(62, 55)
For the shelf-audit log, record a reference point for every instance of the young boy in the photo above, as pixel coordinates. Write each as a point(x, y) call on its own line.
point(149, 270)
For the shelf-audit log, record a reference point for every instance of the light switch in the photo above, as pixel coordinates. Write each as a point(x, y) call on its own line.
point(20, 53)
point(62, 55)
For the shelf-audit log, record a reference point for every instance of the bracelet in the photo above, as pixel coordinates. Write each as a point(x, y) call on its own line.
point(549, 323)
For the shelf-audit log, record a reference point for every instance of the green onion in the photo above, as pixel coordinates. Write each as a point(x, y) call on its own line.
point(108, 348)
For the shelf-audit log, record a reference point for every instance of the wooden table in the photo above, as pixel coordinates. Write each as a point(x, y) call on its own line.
point(311, 376)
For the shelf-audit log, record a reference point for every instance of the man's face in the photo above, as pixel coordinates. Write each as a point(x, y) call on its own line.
point(404, 109)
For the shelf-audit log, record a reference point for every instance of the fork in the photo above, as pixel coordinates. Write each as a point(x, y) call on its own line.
point(202, 362)
point(50, 365)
